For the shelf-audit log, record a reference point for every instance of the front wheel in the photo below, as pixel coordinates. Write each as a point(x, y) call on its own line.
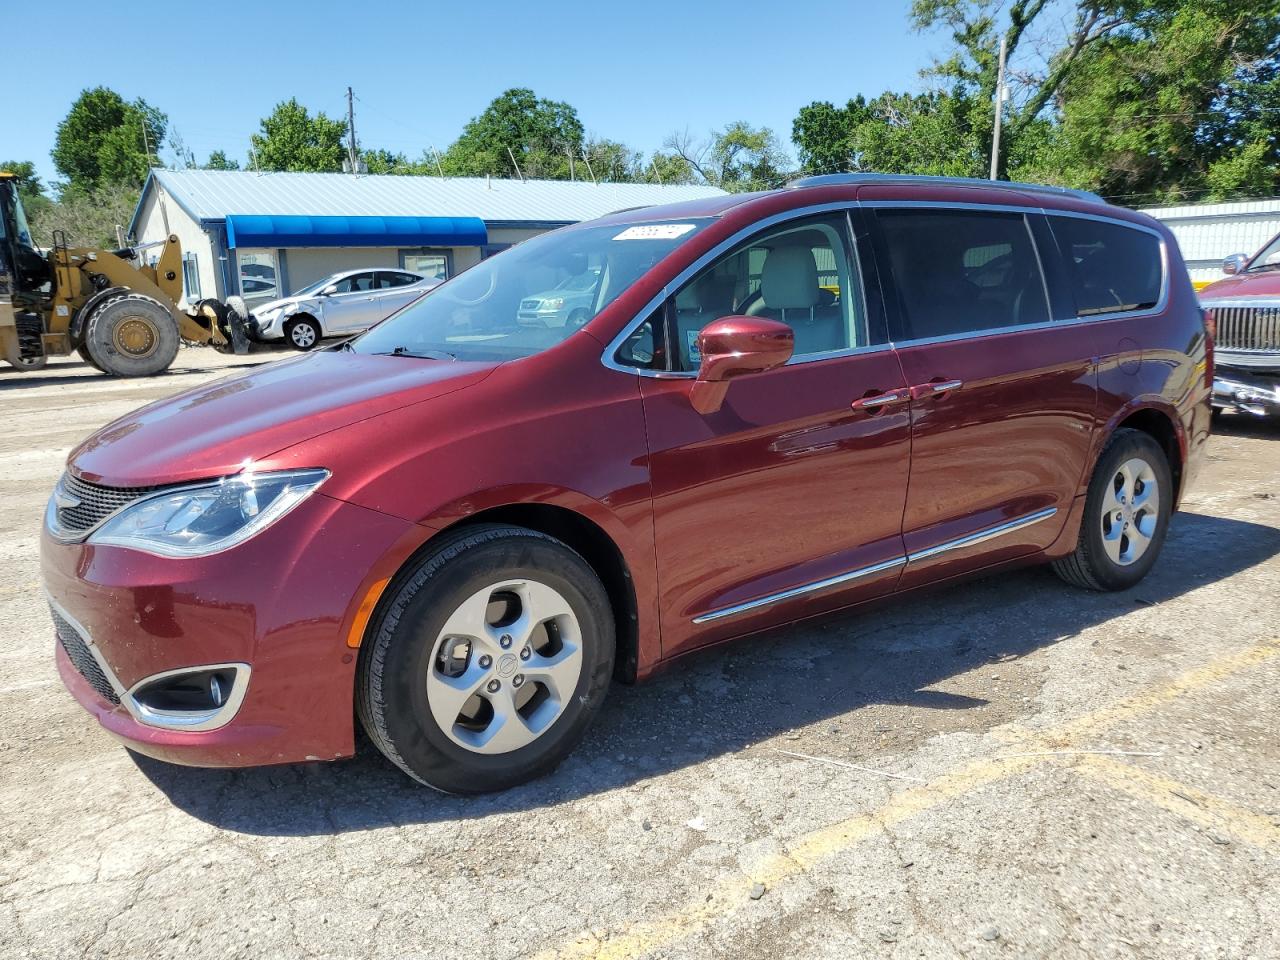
point(489, 661)
point(302, 333)
point(1126, 515)
point(131, 335)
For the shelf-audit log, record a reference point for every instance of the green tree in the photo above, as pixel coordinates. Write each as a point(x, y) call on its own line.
point(668, 168)
point(104, 139)
point(739, 157)
point(541, 134)
point(292, 139)
point(88, 217)
point(384, 161)
point(218, 160)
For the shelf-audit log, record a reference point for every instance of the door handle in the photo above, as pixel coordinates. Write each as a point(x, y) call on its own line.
point(875, 401)
point(934, 387)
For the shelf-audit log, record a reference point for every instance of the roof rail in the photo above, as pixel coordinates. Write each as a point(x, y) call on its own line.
point(836, 179)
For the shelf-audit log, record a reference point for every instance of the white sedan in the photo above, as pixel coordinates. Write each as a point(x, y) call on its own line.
point(337, 306)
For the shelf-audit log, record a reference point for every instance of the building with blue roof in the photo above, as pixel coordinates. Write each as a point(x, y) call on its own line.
point(266, 235)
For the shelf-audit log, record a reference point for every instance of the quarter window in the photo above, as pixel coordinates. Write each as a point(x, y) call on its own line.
point(1112, 268)
point(799, 274)
point(962, 271)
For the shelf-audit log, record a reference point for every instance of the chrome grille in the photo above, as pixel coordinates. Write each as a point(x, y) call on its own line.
point(77, 652)
point(1252, 327)
point(92, 502)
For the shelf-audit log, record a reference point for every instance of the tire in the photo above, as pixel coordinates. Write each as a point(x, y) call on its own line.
point(131, 335)
point(1111, 553)
point(302, 332)
point(30, 364)
point(413, 671)
point(83, 352)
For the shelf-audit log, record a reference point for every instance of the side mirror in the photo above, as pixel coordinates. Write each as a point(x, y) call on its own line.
point(1234, 263)
point(330, 290)
point(734, 347)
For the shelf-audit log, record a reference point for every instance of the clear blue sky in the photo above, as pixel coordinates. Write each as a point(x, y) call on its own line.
point(635, 71)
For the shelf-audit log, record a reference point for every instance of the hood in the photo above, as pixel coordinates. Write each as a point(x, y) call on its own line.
point(216, 429)
point(277, 304)
point(1263, 283)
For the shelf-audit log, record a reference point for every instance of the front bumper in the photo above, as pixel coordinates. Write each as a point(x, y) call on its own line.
point(279, 605)
point(1246, 391)
point(264, 331)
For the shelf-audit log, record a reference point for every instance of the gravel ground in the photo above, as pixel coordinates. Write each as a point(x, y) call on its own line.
point(949, 798)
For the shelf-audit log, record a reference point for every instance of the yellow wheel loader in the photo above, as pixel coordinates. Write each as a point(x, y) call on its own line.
point(119, 313)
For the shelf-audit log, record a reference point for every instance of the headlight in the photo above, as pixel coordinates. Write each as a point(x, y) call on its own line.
point(208, 518)
point(555, 303)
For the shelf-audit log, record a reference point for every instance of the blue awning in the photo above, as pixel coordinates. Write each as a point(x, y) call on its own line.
point(277, 231)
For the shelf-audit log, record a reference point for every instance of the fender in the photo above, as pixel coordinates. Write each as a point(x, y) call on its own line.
point(1103, 433)
point(76, 330)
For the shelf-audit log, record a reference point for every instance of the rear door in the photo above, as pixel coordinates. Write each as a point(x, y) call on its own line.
point(788, 500)
point(392, 291)
point(1002, 378)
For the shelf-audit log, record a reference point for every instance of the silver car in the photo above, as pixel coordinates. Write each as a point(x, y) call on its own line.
point(337, 306)
point(569, 302)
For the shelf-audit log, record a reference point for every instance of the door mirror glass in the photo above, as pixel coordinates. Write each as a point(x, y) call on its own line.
point(733, 347)
point(1234, 263)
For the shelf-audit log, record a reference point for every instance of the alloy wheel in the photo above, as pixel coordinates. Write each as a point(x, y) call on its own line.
point(303, 335)
point(1130, 511)
point(504, 666)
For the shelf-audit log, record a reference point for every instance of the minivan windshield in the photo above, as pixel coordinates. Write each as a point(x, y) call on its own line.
point(496, 311)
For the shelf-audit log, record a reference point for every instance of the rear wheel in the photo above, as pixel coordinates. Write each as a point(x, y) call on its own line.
point(1126, 515)
point(302, 332)
point(131, 336)
point(489, 662)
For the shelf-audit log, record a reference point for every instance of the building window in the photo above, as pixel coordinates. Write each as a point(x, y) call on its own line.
point(258, 276)
point(190, 277)
point(433, 266)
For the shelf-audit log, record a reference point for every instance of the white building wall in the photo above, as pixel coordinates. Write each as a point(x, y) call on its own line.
point(192, 237)
point(1207, 233)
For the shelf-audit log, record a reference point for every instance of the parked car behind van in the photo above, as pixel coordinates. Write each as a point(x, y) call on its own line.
point(338, 305)
point(460, 526)
point(1245, 310)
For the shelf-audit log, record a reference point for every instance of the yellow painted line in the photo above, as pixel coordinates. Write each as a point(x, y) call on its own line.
point(1197, 806)
point(649, 935)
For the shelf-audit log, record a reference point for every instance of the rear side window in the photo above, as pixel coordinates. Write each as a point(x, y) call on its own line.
point(1112, 268)
point(961, 271)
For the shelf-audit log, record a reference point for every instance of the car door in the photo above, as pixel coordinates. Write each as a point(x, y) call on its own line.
point(1003, 394)
point(392, 292)
point(788, 500)
point(349, 309)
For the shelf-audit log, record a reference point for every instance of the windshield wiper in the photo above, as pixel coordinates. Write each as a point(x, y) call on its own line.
point(419, 354)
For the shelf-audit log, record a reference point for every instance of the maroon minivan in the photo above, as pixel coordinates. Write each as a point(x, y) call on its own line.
point(460, 525)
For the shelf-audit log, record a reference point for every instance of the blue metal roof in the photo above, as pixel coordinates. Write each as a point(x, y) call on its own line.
point(215, 194)
point(309, 231)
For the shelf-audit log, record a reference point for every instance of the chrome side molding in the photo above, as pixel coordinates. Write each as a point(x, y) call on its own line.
point(982, 536)
point(800, 591)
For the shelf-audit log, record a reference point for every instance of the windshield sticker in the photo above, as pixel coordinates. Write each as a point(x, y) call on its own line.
point(656, 231)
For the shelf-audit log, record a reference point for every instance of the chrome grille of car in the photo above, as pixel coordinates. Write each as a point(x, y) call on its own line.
point(82, 505)
point(1247, 327)
point(77, 652)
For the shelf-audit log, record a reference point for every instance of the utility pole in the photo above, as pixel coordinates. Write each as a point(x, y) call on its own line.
point(439, 165)
point(587, 161)
point(352, 157)
point(995, 137)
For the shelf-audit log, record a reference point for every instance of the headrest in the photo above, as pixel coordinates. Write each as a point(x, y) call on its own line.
point(789, 279)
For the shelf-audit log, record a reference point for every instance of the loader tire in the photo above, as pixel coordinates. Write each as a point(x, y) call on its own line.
point(83, 352)
point(131, 336)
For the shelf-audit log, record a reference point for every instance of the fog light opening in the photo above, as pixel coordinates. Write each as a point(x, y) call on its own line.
point(200, 698)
